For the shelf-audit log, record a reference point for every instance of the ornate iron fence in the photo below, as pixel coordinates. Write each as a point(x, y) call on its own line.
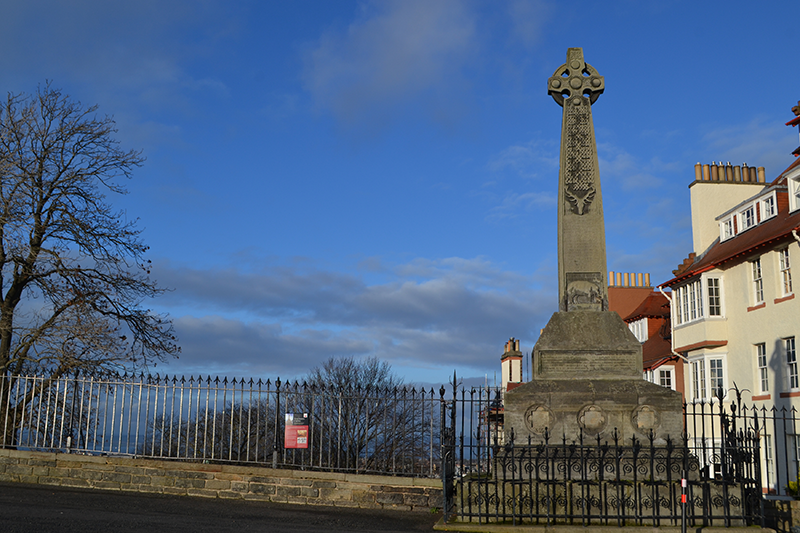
point(731, 455)
point(365, 430)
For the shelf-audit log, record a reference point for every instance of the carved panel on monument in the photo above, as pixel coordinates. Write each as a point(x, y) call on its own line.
point(645, 418)
point(584, 291)
point(538, 418)
point(606, 364)
point(592, 419)
point(579, 188)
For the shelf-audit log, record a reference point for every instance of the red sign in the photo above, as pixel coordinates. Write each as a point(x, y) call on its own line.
point(295, 434)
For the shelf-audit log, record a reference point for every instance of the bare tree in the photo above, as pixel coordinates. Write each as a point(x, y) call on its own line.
point(72, 272)
point(370, 419)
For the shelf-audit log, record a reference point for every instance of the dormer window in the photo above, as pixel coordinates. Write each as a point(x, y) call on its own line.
point(750, 214)
point(747, 217)
point(726, 229)
point(639, 329)
point(768, 207)
point(794, 193)
point(793, 184)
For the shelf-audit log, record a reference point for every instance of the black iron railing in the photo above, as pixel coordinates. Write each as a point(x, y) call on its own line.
point(364, 430)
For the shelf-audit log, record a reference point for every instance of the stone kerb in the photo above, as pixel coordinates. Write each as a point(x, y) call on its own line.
point(220, 481)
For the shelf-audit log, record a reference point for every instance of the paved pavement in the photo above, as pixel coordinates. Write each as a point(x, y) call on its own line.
point(44, 509)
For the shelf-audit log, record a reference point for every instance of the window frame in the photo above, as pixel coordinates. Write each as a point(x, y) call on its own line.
point(692, 301)
point(757, 280)
point(670, 373)
point(763, 367)
point(716, 382)
point(785, 271)
point(793, 182)
point(769, 458)
point(727, 229)
point(701, 368)
point(690, 298)
point(744, 218)
point(697, 368)
point(773, 211)
point(711, 305)
point(639, 329)
point(790, 354)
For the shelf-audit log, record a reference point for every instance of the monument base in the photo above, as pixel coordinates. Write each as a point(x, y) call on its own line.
point(594, 407)
point(587, 379)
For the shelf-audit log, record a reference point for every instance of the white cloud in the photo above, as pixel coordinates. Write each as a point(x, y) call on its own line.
point(284, 320)
point(631, 172)
point(514, 203)
point(398, 50)
point(762, 142)
point(528, 18)
point(523, 164)
point(217, 345)
point(533, 159)
point(126, 56)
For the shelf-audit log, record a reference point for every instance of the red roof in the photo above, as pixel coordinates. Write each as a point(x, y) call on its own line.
point(623, 300)
point(656, 351)
point(654, 306)
point(766, 233)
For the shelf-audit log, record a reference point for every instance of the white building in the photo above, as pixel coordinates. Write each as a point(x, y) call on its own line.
point(734, 315)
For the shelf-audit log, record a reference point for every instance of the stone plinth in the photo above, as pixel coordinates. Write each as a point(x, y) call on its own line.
point(587, 345)
point(587, 377)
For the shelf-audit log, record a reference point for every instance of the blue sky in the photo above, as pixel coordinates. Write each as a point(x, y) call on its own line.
point(379, 178)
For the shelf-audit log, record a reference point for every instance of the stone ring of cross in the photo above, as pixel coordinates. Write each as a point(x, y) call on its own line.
point(575, 77)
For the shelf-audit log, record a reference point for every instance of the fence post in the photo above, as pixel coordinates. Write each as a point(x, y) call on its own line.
point(277, 422)
point(683, 500)
point(443, 446)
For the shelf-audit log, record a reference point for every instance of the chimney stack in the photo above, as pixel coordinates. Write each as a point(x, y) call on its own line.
point(728, 173)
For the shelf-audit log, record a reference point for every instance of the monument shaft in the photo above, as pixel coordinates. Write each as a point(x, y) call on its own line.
point(575, 86)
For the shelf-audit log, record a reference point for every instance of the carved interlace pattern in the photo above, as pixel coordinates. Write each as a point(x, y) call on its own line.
point(579, 172)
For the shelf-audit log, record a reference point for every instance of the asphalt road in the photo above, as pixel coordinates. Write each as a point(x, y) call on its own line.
point(41, 509)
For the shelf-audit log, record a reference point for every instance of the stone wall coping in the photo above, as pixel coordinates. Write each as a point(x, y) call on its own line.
point(466, 527)
point(94, 461)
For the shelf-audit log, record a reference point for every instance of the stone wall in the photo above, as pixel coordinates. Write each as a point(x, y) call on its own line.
point(781, 515)
point(220, 481)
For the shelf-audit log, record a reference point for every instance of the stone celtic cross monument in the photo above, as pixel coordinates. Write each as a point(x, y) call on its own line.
point(581, 233)
point(587, 365)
